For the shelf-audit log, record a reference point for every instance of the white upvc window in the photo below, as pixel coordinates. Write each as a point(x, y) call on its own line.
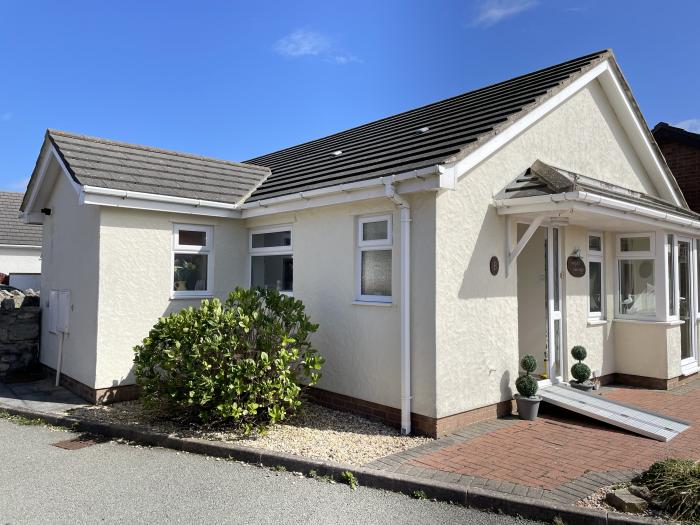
point(596, 277)
point(671, 269)
point(636, 293)
point(193, 260)
point(374, 259)
point(272, 259)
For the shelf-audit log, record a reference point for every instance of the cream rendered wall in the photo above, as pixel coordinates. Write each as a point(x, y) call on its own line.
point(476, 341)
point(361, 342)
point(136, 277)
point(70, 256)
point(648, 349)
point(596, 336)
point(20, 260)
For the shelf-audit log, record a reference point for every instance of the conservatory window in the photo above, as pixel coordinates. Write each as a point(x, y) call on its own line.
point(596, 292)
point(637, 290)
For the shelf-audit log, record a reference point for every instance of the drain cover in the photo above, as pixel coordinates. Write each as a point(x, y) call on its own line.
point(80, 442)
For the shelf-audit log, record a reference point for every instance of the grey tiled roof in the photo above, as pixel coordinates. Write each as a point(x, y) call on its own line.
point(12, 230)
point(396, 144)
point(121, 166)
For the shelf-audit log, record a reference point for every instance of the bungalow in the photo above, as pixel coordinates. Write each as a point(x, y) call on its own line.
point(20, 244)
point(434, 247)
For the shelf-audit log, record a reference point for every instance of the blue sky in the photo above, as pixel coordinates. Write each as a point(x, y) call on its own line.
point(237, 79)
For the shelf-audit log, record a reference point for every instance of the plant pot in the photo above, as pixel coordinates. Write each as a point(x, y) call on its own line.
point(528, 407)
point(586, 387)
point(180, 286)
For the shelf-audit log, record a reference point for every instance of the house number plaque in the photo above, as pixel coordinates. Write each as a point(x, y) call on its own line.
point(576, 266)
point(494, 265)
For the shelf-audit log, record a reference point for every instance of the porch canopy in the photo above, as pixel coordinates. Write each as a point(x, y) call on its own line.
point(564, 198)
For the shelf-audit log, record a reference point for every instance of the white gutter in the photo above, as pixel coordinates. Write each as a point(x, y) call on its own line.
point(587, 198)
point(405, 211)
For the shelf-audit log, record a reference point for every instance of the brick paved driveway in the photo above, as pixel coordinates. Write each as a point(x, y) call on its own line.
point(562, 457)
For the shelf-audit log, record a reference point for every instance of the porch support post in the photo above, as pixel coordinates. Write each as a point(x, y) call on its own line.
point(512, 255)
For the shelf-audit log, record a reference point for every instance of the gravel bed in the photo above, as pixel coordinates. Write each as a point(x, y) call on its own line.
point(319, 433)
point(597, 501)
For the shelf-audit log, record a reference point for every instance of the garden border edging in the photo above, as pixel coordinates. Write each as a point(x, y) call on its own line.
point(475, 497)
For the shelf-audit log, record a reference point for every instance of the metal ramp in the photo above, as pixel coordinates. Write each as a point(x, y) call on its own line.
point(637, 420)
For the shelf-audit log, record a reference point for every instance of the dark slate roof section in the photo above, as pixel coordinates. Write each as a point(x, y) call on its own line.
point(121, 166)
point(543, 179)
point(12, 230)
point(666, 132)
point(419, 138)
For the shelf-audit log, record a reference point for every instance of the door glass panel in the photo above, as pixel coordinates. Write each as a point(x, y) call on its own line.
point(684, 302)
point(556, 365)
point(671, 277)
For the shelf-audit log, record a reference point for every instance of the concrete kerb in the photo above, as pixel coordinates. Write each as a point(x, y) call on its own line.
point(471, 496)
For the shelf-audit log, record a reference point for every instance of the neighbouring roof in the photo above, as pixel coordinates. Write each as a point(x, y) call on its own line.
point(422, 137)
point(665, 132)
point(12, 230)
point(120, 166)
point(543, 179)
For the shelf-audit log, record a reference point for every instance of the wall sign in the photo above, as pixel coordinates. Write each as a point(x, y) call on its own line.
point(494, 265)
point(576, 266)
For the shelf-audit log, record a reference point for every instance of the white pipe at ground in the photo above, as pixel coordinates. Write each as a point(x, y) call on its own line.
point(405, 216)
point(60, 358)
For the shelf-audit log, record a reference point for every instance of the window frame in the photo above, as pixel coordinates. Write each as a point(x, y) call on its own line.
point(187, 249)
point(635, 255)
point(373, 245)
point(270, 250)
point(599, 257)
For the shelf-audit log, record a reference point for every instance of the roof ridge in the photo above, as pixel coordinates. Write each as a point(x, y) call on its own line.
point(600, 55)
point(50, 132)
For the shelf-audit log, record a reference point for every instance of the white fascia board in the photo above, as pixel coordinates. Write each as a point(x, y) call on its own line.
point(21, 246)
point(147, 201)
point(584, 201)
point(425, 179)
point(463, 166)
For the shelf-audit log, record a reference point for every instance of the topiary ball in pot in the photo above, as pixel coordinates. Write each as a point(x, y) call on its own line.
point(581, 372)
point(526, 385)
point(579, 353)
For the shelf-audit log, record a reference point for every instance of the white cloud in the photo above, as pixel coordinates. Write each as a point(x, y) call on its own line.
point(302, 43)
point(305, 43)
point(692, 125)
point(491, 12)
point(6, 116)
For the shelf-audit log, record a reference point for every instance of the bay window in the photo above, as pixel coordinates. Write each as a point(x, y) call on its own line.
point(374, 259)
point(192, 260)
point(272, 259)
point(636, 284)
point(596, 287)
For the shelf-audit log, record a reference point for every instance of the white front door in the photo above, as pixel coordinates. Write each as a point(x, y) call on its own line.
point(687, 302)
point(555, 321)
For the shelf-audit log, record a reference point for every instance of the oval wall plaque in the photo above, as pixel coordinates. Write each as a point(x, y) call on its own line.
point(494, 265)
point(576, 266)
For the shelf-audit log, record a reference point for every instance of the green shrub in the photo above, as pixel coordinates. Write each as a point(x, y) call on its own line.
point(243, 362)
point(579, 353)
point(676, 483)
point(528, 363)
point(526, 385)
point(581, 372)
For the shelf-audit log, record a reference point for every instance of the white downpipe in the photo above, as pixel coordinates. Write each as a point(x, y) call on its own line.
point(405, 211)
point(59, 359)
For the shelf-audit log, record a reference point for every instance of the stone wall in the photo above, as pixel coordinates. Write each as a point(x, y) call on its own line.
point(20, 318)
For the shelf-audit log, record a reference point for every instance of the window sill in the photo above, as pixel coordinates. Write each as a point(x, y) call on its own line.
point(205, 295)
point(650, 321)
point(690, 369)
point(372, 303)
point(596, 322)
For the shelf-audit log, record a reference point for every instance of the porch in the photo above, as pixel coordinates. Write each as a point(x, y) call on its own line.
point(604, 267)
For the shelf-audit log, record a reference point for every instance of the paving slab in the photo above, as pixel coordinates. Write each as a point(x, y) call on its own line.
point(40, 396)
